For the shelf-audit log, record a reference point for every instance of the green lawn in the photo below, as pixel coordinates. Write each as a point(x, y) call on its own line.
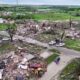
point(70, 71)
point(5, 26)
point(51, 58)
point(73, 44)
point(51, 16)
point(54, 16)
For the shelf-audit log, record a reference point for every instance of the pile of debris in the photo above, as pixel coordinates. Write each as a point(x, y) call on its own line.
point(33, 27)
point(20, 65)
point(72, 33)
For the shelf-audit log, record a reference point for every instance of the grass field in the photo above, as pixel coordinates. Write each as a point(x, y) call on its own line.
point(51, 16)
point(55, 16)
point(44, 16)
point(73, 44)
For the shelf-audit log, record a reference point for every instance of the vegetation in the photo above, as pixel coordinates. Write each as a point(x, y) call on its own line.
point(73, 44)
point(51, 16)
point(7, 47)
point(42, 12)
point(11, 31)
point(51, 58)
point(71, 71)
point(17, 8)
point(5, 26)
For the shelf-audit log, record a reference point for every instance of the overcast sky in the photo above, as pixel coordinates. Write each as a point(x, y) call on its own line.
point(42, 2)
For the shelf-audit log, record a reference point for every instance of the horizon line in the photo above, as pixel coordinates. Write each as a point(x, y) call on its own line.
point(42, 4)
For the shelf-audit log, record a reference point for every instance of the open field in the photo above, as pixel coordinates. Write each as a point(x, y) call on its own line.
point(43, 16)
point(51, 16)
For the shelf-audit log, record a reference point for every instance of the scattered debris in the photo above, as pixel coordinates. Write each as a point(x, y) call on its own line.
point(20, 65)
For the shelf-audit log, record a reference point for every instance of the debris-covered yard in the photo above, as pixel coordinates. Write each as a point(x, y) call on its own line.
point(45, 37)
point(28, 49)
point(21, 65)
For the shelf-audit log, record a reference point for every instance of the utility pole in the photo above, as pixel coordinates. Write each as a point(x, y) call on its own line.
point(16, 5)
point(17, 2)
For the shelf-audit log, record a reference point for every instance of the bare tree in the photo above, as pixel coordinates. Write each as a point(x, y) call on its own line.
point(11, 32)
point(63, 35)
point(70, 22)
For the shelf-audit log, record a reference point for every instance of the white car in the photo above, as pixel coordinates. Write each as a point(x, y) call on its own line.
point(60, 44)
point(52, 43)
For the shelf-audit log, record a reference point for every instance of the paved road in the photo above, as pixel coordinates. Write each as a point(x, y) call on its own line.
point(30, 40)
point(67, 51)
